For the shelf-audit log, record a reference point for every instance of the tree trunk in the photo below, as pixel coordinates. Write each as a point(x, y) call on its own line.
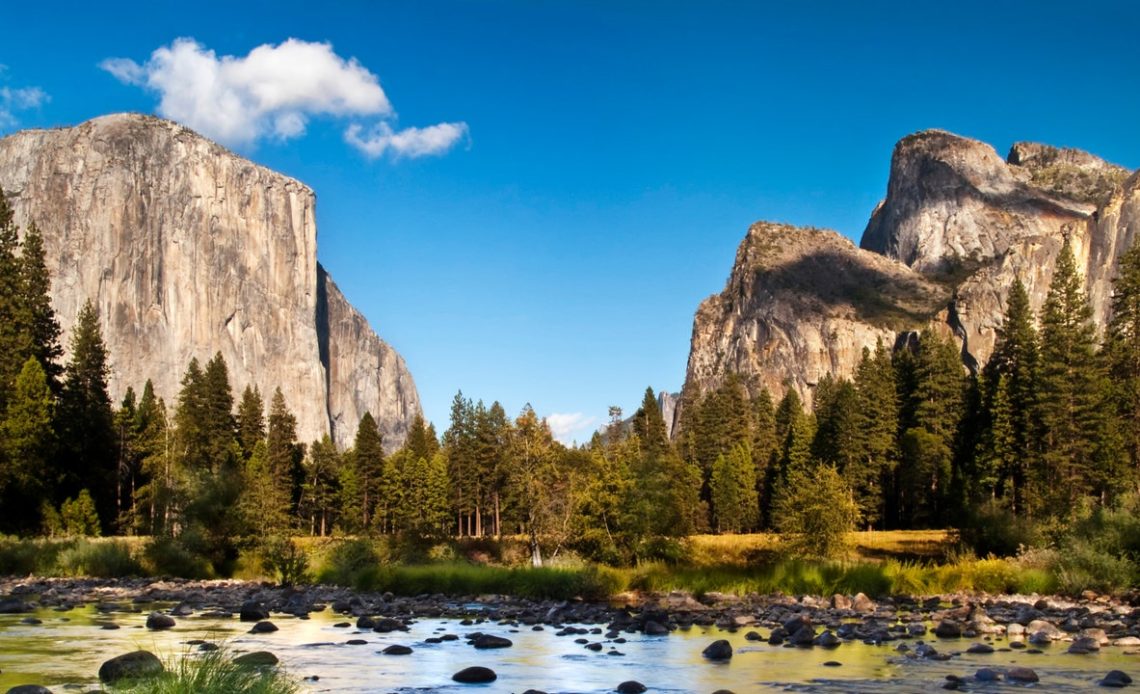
point(498, 528)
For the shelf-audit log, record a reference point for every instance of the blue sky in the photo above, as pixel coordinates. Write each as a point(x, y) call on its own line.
point(595, 164)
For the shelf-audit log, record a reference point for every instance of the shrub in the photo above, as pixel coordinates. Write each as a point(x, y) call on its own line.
point(167, 556)
point(994, 530)
point(284, 559)
point(78, 516)
point(1082, 566)
point(98, 559)
point(347, 562)
point(815, 512)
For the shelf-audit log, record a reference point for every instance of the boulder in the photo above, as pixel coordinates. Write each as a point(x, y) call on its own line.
point(948, 629)
point(253, 611)
point(263, 628)
point(486, 641)
point(135, 665)
point(29, 689)
point(475, 675)
point(718, 650)
point(631, 687)
point(397, 649)
point(256, 659)
point(1021, 674)
point(1115, 679)
point(158, 621)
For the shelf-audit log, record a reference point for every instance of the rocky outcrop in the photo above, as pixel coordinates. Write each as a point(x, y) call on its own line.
point(188, 250)
point(801, 303)
point(958, 225)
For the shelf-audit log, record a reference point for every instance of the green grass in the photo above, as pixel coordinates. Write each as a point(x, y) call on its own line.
point(213, 672)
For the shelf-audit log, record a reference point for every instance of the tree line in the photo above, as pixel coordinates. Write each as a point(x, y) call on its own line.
point(913, 440)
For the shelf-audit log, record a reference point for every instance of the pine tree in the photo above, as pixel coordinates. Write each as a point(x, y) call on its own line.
point(39, 317)
point(664, 499)
point(1069, 393)
point(459, 447)
point(28, 435)
point(319, 492)
point(219, 425)
point(765, 451)
point(735, 504)
point(263, 503)
point(157, 499)
point(284, 452)
point(129, 460)
point(250, 420)
point(421, 441)
point(88, 459)
point(1014, 366)
point(12, 329)
point(936, 403)
point(368, 467)
point(877, 416)
point(1122, 352)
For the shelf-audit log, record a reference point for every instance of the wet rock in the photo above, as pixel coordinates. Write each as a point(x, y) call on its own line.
point(386, 625)
point(475, 675)
point(631, 687)
point(804, 637)
point(718, 650)
point(364, 622)
point(397, 649)
point(253, 611)
point(753, 636)
point(1040, 638)
point(485, 641)
point(263, 628)
point(157, 620)
point(14, 606)
point(980, 649)
point(1115, 679)
point(256, 659)
point(31, 621)
point(1021, 674)
point(29, 689)
point(987, 675)
point(833, 663)
point(948, 629)
point(653, 628)
point(1084, 645)
point(595, 646)
point(356, 642)
point(207, 647)
point(130, 666)
point(826, 640)
point(862, 603)
point(1048, 628)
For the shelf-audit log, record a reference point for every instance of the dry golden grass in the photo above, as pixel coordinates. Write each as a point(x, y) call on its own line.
point(875, 545)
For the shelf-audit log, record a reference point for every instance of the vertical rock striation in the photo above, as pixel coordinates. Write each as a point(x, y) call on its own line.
point(187, 250)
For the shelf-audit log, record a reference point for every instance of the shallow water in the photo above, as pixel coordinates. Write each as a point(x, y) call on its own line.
point(66, 650)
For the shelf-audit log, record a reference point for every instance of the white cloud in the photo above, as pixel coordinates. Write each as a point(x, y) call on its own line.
point(564, 425)
point(22, 99)
point(409, 142)
point(272, 92)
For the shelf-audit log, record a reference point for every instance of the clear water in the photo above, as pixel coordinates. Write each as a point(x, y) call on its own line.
point(65, 652)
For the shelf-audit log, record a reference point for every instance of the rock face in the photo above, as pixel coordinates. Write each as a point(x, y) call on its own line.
point(959, 224)
point(801, 303)
point(188, 250)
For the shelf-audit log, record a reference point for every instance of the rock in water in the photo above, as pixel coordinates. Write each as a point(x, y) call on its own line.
point(29, 689)
point(475, 675)
point(490, 641)
point(397, 649)
point(1115, 679)
point(263, 628)
point(718, 650)
point(253, 611)
point(157, 621)
point(128, 666)
point(631, 687)
point(186, 250)
point(256, 659)
point(1021, 674)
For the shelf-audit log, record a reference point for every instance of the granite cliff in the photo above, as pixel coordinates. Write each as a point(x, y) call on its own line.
point(957, 226)
point(187, 250)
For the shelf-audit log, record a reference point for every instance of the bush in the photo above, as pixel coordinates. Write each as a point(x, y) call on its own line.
point(1082, 566)
point(815, 512)
point(167, 556)
point(281, 557)
point(98, 559)
point(79, 517)
point(994, 530)
point(348, 561)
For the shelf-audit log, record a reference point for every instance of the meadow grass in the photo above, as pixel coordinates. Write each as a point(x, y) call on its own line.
point(212, 672)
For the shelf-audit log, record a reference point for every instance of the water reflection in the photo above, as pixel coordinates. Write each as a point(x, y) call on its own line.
point(68, 647)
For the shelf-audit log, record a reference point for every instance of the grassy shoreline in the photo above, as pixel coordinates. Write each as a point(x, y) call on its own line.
point(881, 563)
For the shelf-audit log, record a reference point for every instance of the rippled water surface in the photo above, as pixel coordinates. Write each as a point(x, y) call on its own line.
point(68, 647)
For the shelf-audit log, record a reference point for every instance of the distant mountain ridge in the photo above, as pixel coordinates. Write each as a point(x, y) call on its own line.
point(957, 226)
point(188, 250)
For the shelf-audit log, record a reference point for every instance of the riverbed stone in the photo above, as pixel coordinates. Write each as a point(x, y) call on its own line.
point(263, 628)
point(253, 611)
point(485, 641)
point(397, 649)
point(948, 629)
point(1021, 674)
point(158, 621)
point(718, 650)
point(1115, 679)
point(15, 606)
point(986, 674)
point(29, 689)
point(130, 666)
point(631, 687)
point(476, 674)
point(862, 603)
point(980, 649)
point(1084, 645)
point(256, 659)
